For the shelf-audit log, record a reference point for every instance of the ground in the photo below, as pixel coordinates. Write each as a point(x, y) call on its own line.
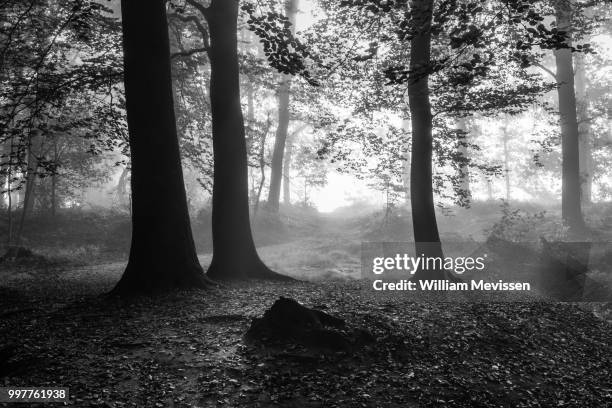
point(187, 349)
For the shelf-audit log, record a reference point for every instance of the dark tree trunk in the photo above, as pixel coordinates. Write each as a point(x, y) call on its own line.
point(162, 253)
point(54, 180)
point(276, 166)
point(234, 253)
point(426, 236)
point(53, 195)
point(570, 195)
point(9, 208)
point(30, 185)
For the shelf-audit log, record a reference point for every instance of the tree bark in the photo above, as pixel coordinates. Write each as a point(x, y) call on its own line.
point(276, 166)
point(234, 253)
point(570, 195)
point(584, 131)
point(162, 254)
point(464, 191)
point(426, 235)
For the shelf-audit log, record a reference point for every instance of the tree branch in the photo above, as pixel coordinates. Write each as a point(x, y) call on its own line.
point(188, 53)
point(193, 19)
point(543, 68)
point(195, 4)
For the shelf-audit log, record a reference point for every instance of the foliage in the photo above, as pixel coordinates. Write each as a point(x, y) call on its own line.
point(57, 58)
point(517, 225)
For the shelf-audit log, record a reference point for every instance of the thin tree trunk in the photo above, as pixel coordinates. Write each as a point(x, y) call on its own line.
point(9, 183)
point(53, 195)
point(427, 238)
point(250, 114)
point(262, 165)
point(464, 191)
point(54, 179)
point(406, 162)
point(234, 253)
point(162, 254)
point(276, 165)
point(489, 189)
point(570, 196)
point(506, 159)
point(122, 193)
point(3, 178)
point(287, 163)
point(287, 170)
point(584, 130)
point(30, 186)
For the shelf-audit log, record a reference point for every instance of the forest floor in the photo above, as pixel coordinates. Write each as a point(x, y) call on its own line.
point(187, 349)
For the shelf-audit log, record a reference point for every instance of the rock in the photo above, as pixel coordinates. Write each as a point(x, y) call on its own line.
point(288, 322)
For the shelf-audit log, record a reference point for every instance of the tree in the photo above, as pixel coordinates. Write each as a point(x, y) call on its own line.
point(469, 50)
point(287, 162)
point(162, 252)
point(426, 235)
point(276, 175)
point(311, 170)
point(52, 54)
point(234, 252)
point(571, 209)
point(463, 191)
point(585, 160)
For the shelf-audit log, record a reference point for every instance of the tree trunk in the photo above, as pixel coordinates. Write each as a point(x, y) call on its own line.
point(250, 114)
point(287, 163)
point(426, 236)
point(54, 179)
point(276, 166)
point(287, 169)
point(30, 184)
point(53, 195)
point(570, 196)
point(584, 131)
point(489, 189)
point(234, 253)
point(506, 159)
point(3, 177)
point(406, 162)
point(262, 165)
point(162, 254)
point(122, 193)
point(9, 185)
point(464, 191)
